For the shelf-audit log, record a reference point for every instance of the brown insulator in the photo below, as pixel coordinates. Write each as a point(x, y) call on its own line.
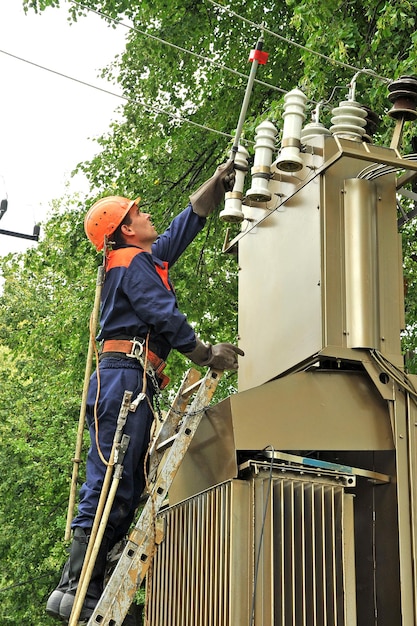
point(403, 95)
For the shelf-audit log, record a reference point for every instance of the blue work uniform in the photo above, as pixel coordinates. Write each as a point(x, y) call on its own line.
point(137, 298)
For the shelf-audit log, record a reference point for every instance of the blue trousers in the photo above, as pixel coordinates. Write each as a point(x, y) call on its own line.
point(117, 375)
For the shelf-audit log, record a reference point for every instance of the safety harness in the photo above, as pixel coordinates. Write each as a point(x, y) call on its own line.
point(137, 348)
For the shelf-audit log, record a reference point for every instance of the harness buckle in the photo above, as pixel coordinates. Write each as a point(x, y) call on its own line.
point(137, 348)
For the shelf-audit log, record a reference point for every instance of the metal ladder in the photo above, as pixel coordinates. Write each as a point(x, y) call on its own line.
point(166, 454)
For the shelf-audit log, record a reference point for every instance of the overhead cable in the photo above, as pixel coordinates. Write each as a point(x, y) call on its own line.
point(25, 582)
point(76, 80)
point(153, 109)
point(295, 43)
point(173, 116)
point(221, 66)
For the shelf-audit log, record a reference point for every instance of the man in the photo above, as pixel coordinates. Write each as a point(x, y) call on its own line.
point(139, 320)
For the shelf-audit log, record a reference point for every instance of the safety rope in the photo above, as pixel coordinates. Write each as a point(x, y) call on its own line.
point(96, 427)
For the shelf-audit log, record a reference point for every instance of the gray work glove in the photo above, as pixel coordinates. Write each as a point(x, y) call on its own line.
point(211, 193)
point(221, 356)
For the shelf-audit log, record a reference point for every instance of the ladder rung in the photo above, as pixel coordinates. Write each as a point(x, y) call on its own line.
point(190, 390)
point(164, 444)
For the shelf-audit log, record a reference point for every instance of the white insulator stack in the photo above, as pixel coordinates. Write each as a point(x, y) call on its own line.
point(349, 121)
point(232, 211)
point(313, 129)
point(261, 171)
point(289, 159)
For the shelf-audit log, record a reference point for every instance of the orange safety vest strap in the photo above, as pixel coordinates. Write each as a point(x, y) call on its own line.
point(163, 273)
point(122, 257)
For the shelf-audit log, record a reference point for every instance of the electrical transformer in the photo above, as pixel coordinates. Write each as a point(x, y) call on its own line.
point(296, 502)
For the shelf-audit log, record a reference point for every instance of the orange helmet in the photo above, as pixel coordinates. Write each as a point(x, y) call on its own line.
point(105, 216)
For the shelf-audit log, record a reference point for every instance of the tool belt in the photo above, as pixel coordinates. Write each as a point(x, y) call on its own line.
point(135, 349)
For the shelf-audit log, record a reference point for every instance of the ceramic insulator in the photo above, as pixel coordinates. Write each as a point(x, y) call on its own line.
point(289, 159)
point(349, 121)
point(232, 211)
point(261, 171)
point(313, 129)
point(403, 95)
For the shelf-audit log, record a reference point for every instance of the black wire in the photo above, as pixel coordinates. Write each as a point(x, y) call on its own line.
point(258, 556)
point(26, 582)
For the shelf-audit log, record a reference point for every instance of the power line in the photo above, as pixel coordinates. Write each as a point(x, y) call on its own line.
point(175, 116)
point(24, 583)
point(76, 80)
point(296, 44)
point(224, 67)
point(221, 66)
point(153, 109)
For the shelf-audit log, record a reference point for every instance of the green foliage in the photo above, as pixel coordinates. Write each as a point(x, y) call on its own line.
point(44, 312)
point(410, 289)
point(48, 292)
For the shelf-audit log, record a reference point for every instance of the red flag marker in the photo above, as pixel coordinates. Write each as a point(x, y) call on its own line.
point(258, 55)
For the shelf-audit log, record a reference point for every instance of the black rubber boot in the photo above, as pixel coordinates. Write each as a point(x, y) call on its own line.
point(95, 588)
point(54, 600)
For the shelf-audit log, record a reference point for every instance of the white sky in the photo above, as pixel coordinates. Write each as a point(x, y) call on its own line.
point(47, 122)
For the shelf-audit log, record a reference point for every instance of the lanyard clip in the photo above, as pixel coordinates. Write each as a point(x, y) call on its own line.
point(137, 348)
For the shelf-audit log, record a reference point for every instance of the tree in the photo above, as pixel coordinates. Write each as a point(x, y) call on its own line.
point(183, 61)
point(43, 334)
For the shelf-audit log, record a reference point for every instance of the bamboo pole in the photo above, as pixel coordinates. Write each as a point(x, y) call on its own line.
point(103, 510)
point(81, 422)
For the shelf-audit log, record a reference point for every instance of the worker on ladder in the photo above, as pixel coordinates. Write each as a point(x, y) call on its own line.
point(139, 324)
